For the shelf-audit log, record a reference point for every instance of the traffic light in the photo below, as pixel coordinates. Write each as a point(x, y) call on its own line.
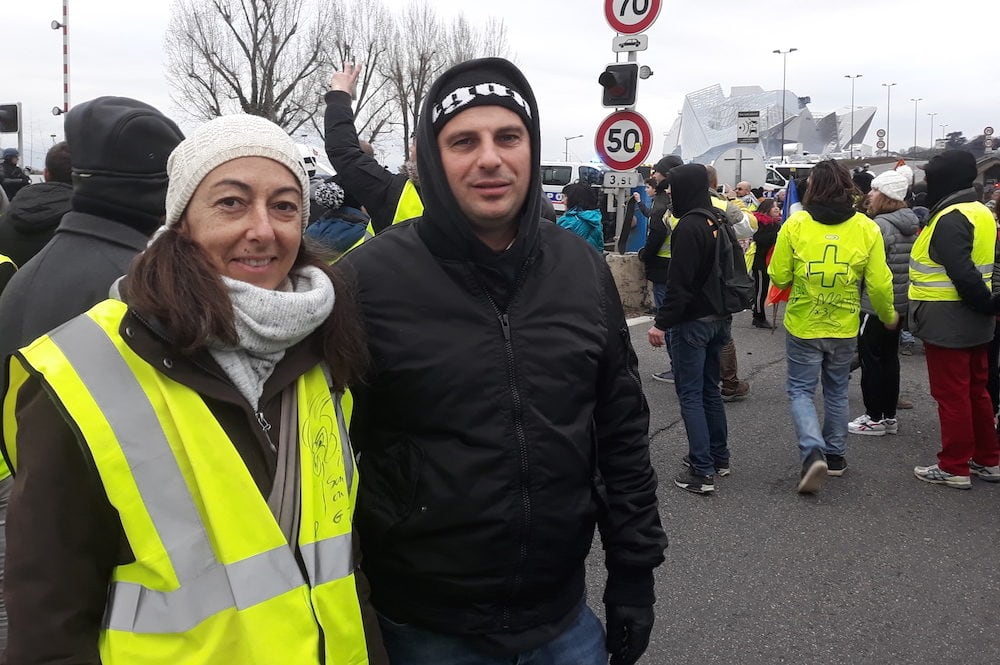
point(9, 118)
point(620, 82)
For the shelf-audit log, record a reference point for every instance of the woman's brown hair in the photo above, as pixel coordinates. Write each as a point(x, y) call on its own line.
point(883, 204)
point(830, 184)
point(175, 283)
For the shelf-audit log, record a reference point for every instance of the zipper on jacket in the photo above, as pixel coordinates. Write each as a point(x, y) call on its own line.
point(265, 428)
point(522, 440)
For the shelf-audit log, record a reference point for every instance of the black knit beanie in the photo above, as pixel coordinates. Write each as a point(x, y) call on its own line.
point(118, 153)
point(484, 85)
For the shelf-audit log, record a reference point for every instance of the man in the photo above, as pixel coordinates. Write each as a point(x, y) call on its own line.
point(503, 417)
point(698, 329)
point(656, 253)
point(118, 152)
point(744, 224)
point(951, 266)
point(389, 198)
point(32, 218)
point(12, 178)
point(745, 194)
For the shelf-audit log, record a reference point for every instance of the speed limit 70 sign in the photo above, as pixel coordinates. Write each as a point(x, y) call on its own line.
point(630, 17)
point(623, 140)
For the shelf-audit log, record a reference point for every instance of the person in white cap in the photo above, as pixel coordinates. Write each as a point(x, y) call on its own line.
point(185, 482)
point(878, 346)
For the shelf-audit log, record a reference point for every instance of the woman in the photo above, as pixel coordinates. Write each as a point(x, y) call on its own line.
point(768, 222)
point(582, 216)
point(878, 347)
point(185, 486)
point(823, 252)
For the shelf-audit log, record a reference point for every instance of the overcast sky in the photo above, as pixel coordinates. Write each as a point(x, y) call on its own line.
point(937, 51)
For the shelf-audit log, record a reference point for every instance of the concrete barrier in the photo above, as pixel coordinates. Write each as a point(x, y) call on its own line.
point(630, 277)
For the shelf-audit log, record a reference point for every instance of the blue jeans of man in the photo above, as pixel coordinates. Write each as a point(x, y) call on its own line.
point(808, 359)
point(659, 297)
point(696, 348)
point(582, 643)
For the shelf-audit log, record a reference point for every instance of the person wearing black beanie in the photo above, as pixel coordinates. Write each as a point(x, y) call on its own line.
point(118, 156)
point(502, 401)
point(951, 310)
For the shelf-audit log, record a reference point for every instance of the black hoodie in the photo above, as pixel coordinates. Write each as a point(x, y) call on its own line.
point(693, 249)
point(32, 218)
point(503, 406)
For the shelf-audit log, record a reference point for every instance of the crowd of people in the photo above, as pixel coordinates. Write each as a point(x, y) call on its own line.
point(261, 416)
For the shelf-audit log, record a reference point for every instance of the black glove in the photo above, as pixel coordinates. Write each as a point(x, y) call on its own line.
point(628, 632)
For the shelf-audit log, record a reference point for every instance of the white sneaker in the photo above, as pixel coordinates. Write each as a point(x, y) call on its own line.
point(891, 425)
point(866, 426)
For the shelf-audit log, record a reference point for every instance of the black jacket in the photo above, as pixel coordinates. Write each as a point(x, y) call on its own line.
point(32, 218)
point(377, 188)
point(658, 230)
point(690, 292)
point(12, 179)
point(503, 420)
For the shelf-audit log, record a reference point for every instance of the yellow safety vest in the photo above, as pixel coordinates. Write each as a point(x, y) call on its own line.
point(665, 247)
point(409, 206)
point(214, 579)
point(928, 279)
point(4, 468)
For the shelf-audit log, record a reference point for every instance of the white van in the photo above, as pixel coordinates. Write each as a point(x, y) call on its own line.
point(316, 161)
point(556, 175)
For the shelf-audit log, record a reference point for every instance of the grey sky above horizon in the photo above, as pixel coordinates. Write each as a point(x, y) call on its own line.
point(938, 52)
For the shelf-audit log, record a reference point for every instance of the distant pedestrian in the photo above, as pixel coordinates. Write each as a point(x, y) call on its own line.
point(768, 223)
point(656, 253)
point(12, 178)
point(824, 252)
point(582, 216)
point(696, 326)
point(878, 346)
point(31, 220)
point(951, 269)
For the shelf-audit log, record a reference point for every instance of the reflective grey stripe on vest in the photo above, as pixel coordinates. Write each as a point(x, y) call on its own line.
point(984, 270)
point(207, 586)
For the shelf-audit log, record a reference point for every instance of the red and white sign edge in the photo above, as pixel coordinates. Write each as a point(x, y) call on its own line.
point(631, 29)
point(645, 132)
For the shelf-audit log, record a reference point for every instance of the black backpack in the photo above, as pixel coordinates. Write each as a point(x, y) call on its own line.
point(730, 270)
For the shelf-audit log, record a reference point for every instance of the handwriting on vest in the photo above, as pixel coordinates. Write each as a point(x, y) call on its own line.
point(320, 435)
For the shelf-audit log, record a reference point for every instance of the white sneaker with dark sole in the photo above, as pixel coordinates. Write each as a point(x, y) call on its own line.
point(935, 475)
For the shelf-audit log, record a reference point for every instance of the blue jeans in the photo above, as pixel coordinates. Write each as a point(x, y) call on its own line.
point(582, 643)
point(659, 297)
point(806, 359)
point(696, 348)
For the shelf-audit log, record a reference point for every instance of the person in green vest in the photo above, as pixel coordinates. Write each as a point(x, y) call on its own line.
point(184, 480)
point(951, 311)
point(824, 252)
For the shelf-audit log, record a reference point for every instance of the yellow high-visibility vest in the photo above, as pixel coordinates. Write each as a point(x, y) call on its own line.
point(665, 247)
point(214, 579)
point(928, 279)
point(4, 468)
point(409, 206)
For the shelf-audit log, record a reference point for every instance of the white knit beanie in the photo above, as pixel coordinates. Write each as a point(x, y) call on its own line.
point(224, 139)
point(891, 183)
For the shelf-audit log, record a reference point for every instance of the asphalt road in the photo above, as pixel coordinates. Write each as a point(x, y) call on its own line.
point(877, 568)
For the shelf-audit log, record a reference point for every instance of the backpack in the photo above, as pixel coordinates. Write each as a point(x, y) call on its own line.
point(730, 269)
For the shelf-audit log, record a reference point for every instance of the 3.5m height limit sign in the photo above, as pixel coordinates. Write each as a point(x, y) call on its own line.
point(623, 140)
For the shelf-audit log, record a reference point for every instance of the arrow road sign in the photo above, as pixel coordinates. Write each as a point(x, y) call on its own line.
point(623, 140)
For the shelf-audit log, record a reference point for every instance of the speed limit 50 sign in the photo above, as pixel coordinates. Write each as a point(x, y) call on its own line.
point(630, 17)
point(623, 140)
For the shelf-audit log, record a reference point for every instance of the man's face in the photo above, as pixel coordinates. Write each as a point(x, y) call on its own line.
point(486, 156)
point(742, 189)
point(657, 177)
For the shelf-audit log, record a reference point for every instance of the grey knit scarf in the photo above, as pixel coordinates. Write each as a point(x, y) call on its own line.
point(268, 322)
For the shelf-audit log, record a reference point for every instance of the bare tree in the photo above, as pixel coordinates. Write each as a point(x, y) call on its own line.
point(261, 57)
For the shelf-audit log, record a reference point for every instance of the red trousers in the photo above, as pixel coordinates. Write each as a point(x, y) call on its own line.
point(958, 384)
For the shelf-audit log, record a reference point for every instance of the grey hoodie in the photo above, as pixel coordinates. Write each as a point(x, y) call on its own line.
point(899, 231)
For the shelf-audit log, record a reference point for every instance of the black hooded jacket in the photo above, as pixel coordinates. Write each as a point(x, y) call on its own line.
point(502, 421)
point(693, 248)
point(32, 218)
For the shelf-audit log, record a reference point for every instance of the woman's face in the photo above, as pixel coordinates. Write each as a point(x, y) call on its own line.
point(775, 211)
point(246, 215)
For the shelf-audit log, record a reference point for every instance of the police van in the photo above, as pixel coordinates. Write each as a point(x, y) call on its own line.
point(556, 175)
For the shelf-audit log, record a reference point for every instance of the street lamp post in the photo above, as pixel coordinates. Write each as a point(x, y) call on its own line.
point(853, 78)
point(567, 139)
point(932, 114)
point(915, 101)
point(784, 92)
point(888, 107)
point(64, 26)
